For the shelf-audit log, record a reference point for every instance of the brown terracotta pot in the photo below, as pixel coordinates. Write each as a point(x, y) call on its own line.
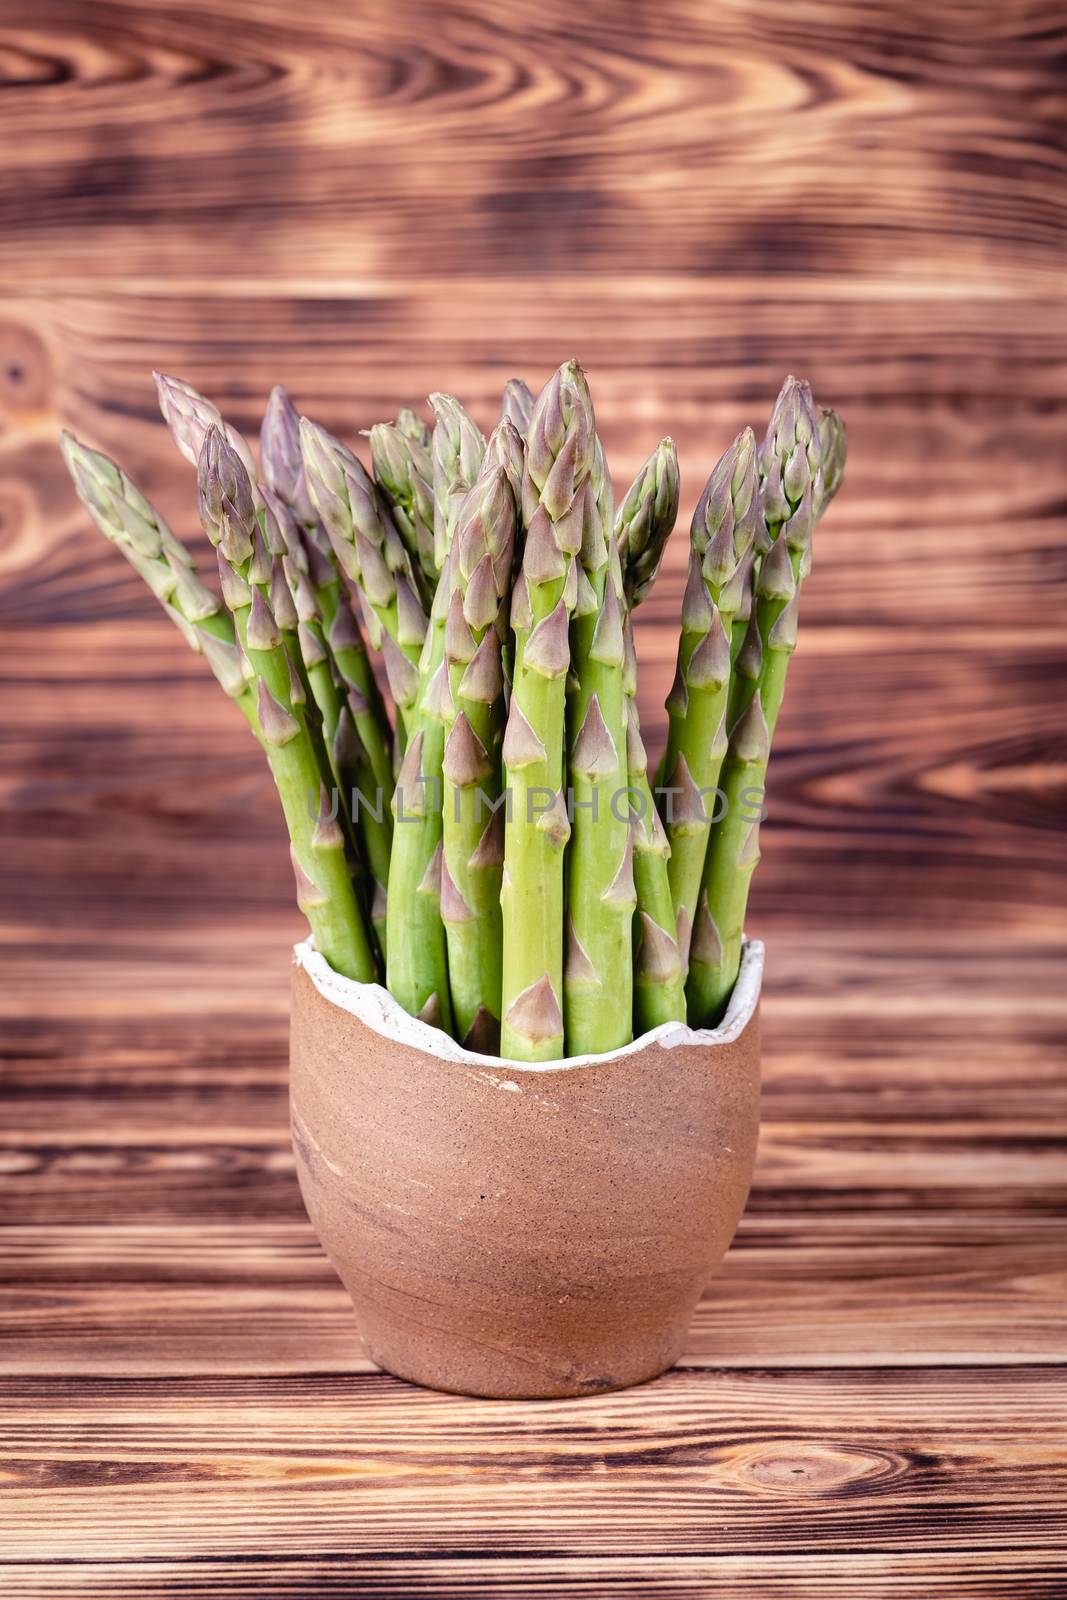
point(515, 1230)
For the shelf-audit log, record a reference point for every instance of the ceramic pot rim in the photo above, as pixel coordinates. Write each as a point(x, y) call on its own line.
point(376, 1008)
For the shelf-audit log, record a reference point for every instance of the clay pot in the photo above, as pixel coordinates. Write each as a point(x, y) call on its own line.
point(515, 1230)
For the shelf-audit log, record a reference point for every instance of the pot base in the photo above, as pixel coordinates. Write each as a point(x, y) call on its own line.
point(548, 1357)
point(470, 1390)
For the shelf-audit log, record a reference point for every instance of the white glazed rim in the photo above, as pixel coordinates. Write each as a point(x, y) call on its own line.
point(376, 1007)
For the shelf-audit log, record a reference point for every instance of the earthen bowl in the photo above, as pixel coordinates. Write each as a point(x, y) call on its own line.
point(513, 1230)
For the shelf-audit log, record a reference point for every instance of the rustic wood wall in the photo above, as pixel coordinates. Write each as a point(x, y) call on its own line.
point(695, 197)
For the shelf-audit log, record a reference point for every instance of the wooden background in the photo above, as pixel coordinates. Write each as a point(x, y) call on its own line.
point(366, 201)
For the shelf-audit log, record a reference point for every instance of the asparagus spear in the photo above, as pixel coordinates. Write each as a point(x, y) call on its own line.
point(598, 977)
point(642, 526)
point(347, 719)
point(473, 824)
point(746, 578)
point(418, 967)
point(132, 523)
point(517, 406)
point(280, 457)
point(772, 631)
point(646, 518)
point(457, 448)
point(281, 552)
point(659, 982)
point(791, 487)
point(776, 588)
point(189, 415)
point(372, 816)
point(412, 426)
point(722, 534)
point(418, 957)
point(325, 892)
point(286, 494)
point(417, 971)
point(403, 470)
point(350, 657)
point(715, 950)
point(559, 456)
point(371, 553)
point(733, 848)
point(342, 639)
point(505, 450)
point(792, 495)
point(282, 538)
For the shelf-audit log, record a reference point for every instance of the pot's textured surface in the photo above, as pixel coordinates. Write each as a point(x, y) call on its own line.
point(510, 1231)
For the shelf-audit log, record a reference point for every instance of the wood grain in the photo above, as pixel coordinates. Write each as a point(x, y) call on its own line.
point(994, 1575)
point(366, 202)
point(698, 1463)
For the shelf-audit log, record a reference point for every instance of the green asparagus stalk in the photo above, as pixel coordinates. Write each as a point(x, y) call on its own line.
point(517, 406)
point(371, 809)
point(280, 595)
point(746, 578)
point(329, 634)
point(417, 970)
point(189, 416)
point(325, 892)
point(418, 957)
point(790, 464)
point(715, 949)
point(598, 976)
point(646, 519)
point(345, 718)
point(346, 647)
point(722, 534)
point(659, 982)
point(792, 496)
point(474, 718)
point(733, 849)
point(403, 469)
point(350, 657)
point(457, 449)
point(794, 492)
point(371, 553)
point(746, 649)
point(642, 527)
point(559, 455)
point(135, 527)
point(301, 611)
point(418, 960)
point(752, 623)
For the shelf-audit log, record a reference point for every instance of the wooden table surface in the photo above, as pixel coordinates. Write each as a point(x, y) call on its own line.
point(368, 201)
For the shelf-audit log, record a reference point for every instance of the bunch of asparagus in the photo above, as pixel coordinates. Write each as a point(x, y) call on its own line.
point(494, 846)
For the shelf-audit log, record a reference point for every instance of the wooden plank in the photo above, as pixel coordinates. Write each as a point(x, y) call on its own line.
point(953, 1575)
point(709, 1463)
point(369, 140)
